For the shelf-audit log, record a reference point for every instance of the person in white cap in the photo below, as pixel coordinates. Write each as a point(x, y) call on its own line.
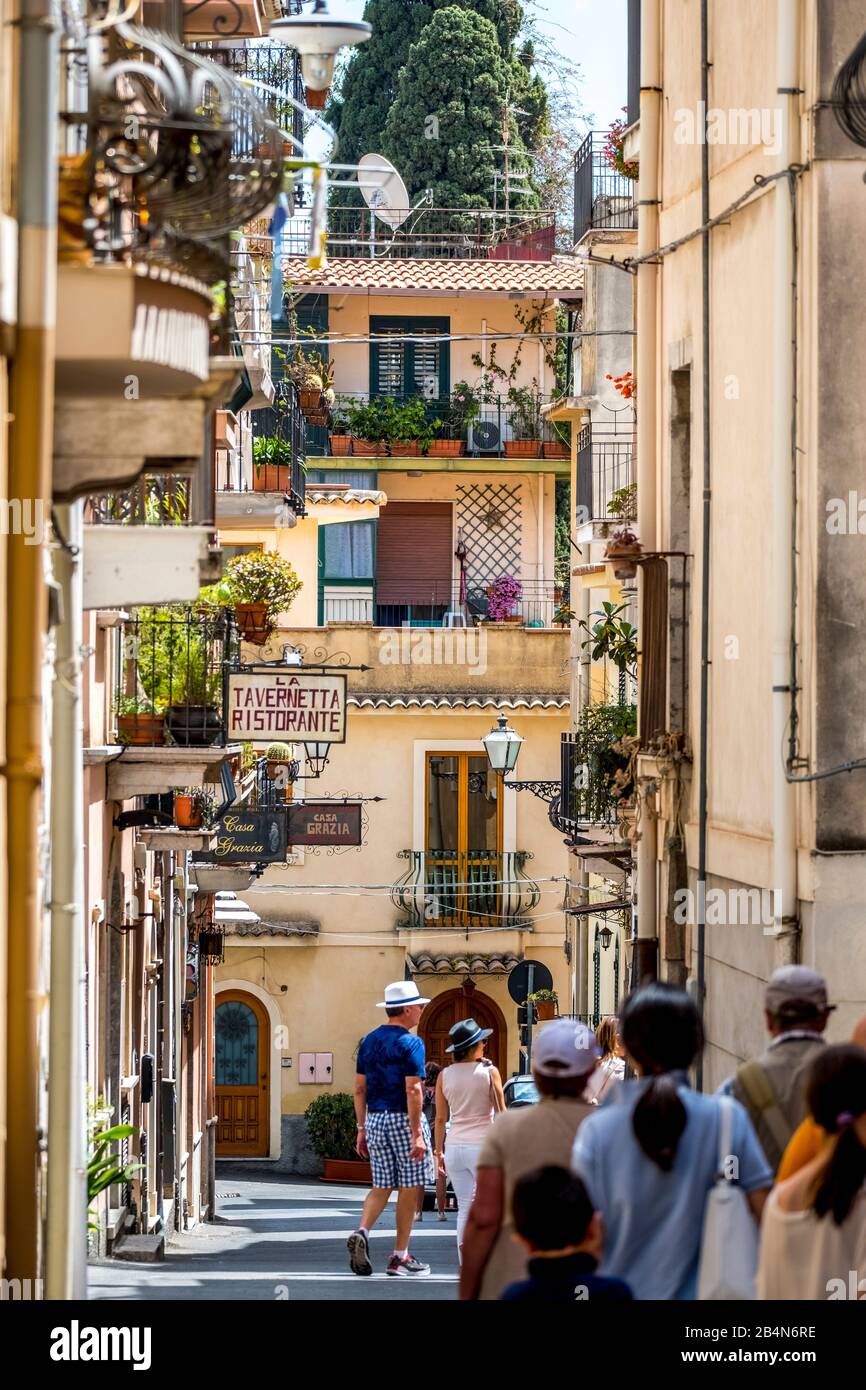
point(772, 1086)
point(564, 1057)
point(392, 1130)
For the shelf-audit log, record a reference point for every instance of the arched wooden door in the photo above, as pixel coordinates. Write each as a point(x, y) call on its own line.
point(242, 1075)
point(447, 1009)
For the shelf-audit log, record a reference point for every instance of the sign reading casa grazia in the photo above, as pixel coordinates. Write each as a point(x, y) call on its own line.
point(265, 705)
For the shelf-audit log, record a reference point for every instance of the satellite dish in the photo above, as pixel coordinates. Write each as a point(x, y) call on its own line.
point(383, 190)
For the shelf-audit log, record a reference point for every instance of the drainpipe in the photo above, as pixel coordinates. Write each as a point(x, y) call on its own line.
point(581, 698)
point(66, 1230)
point(32, 399)
point(786, 930)
point(645, 962)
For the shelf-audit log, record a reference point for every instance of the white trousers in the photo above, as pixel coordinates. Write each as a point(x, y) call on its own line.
point(461, 1161)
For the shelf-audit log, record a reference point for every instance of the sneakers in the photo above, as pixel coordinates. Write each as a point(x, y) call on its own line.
point(406, 1267)
point(359, 1253)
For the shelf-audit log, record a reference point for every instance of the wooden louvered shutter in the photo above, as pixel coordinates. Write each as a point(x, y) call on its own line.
point(414, 559)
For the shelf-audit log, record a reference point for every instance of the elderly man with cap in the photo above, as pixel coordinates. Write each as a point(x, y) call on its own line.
point(563, 1058)
point(771, 1086)
point(392, 1130)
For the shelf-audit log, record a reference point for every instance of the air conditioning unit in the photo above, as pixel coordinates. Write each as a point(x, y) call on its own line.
point(484, 437)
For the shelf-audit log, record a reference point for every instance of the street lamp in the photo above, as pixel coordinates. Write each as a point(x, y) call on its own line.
point(318, 38)
point(317, 757)
point(605, 936)
point(502, 746)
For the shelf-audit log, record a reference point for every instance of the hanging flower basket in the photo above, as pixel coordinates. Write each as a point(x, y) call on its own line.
point(316, 101)
point(310, 398)
point(252, 620)
point(624, 550)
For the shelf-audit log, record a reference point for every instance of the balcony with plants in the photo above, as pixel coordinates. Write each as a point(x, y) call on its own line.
point(466, 890)
point(472, 422)
point(598, 773)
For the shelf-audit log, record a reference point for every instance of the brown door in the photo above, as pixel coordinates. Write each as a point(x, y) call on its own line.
point(447, 1009)
point(241, 1075)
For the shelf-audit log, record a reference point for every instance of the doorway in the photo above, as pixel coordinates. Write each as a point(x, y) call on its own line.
point(242, 1075)
point(449, 1008)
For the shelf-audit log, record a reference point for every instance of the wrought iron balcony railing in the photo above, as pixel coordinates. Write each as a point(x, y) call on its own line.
point(603, 198)
point(591, 795)
point(434, 233)
point(430, 604)
point(605, 468)
point(471, 890)
point(155, 500)
point(499, 425)
point(172, 677)
point(278, 463)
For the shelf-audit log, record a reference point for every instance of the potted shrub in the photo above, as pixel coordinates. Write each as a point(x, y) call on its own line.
point(502, 595)
point(140, 720)
point(332, 1131)
point(283, 767)
point(193, 718)
point(188, 808)
point(545, 1002)
point(272, 465)
point(526, 423)
point(410, 429)
point(261, 585)
point(306, 373)
point(369, 422)
point(624, 550)
point(340, 438)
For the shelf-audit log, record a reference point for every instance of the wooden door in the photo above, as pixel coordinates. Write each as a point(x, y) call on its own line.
point(449, 1008)
point(241, 1075)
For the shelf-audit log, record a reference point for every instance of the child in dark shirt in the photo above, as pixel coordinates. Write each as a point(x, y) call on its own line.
point(554, 1219)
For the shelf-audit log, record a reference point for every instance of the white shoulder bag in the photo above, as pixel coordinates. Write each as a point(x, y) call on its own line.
point(729, 1242)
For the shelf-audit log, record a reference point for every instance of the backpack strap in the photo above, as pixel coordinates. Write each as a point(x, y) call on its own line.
point(761, 1098)
point(726, 1125)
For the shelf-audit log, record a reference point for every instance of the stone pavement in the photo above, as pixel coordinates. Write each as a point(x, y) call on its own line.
point(283, 1238)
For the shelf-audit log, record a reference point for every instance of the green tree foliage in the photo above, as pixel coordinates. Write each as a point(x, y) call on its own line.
point(449, 110)
point(369, 84)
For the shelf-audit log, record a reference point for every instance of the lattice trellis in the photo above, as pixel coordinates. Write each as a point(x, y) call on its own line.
point(490, 516)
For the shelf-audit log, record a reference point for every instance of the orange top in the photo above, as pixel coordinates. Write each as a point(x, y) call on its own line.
point(804, 1145)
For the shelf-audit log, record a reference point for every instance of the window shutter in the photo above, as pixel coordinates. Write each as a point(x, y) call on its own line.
point(414, 553)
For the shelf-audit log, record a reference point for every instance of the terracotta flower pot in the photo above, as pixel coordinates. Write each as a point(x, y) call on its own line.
point(348, 1170)
point(310, 399)
point(270, 477)
point(187, 811)
point(446, 448)
point(341, 444)
point(366, 448)
point(545, 1009)
point(624, 558)
point(405, 448)
point(554, 450)
point(523, 448)
point(141, 730)
point(252, 620)
point(316, 101)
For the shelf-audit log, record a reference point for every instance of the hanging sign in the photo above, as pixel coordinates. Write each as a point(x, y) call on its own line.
point(323, 823)
point(249, 837)
point(288, 705)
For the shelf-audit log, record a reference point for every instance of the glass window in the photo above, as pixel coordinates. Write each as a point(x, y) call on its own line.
point(236, 1045)
point(348, 550)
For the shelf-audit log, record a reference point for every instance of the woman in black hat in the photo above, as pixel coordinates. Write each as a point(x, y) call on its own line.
point(469, 1094)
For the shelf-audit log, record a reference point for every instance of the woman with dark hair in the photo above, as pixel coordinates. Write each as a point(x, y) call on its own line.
point(813, 1237)
point(650, 1156)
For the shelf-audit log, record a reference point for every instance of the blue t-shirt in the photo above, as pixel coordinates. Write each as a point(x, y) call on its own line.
point(386, 1057)
point(653, 1220)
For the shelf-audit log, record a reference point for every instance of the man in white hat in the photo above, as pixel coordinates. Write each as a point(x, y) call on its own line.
point(392, 1130)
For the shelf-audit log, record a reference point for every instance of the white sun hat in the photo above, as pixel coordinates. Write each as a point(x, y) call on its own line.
point(400, 995)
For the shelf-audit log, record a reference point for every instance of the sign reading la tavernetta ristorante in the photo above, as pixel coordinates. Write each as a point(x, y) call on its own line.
point(249, 837)
point(288, 705)
point(323, 823)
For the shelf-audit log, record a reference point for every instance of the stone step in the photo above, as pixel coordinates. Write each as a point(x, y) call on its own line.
point(140, 1249)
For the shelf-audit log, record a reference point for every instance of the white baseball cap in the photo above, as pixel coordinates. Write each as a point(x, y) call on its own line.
point(565, 1048)
point(401, 995)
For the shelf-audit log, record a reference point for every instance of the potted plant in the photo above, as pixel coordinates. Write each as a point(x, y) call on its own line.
point(306, 373)
point(193, 717)
point(463, 408)
point(332, 1131)
point(410, 429)
point(188, 808)
point(558, 447)
point(502, 596)
point(140, 720)
point(261, 585)
point(272, 464)
point(545, 1002)
point(283, 767)
point(369, 422)
point(340, 437)
point(526, 422)
point(624, 550)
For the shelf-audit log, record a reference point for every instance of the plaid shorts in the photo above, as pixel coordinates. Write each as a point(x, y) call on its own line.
point(389, 1142)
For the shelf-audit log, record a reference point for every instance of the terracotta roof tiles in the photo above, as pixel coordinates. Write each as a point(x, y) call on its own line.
point(560, 277)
